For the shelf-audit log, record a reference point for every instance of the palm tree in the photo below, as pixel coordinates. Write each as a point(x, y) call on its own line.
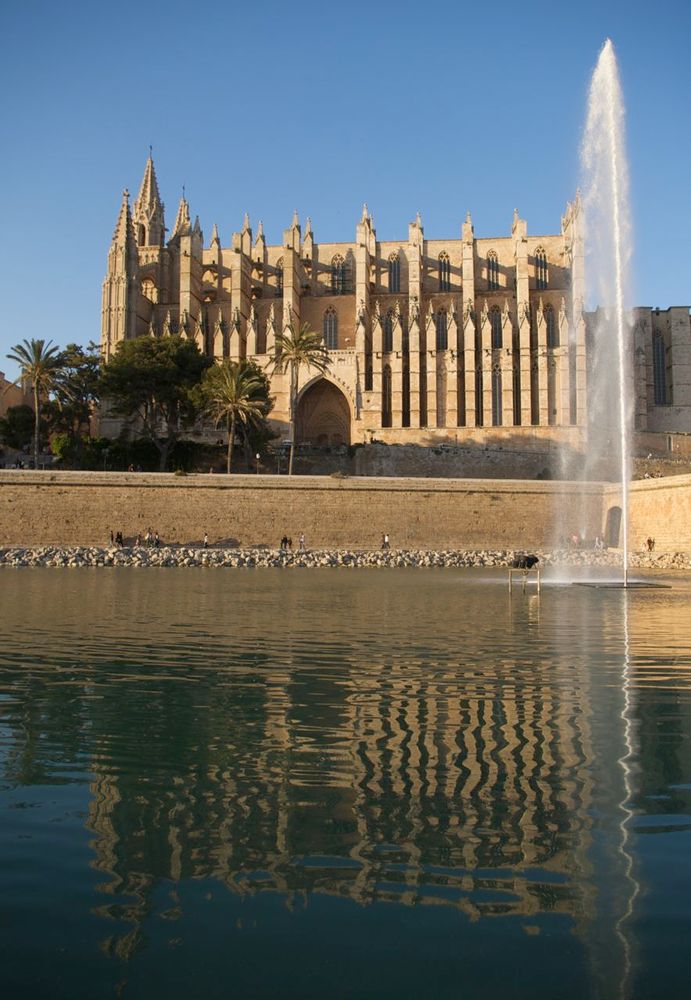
point(235, 391)
point(296, 349)
point(41, 365)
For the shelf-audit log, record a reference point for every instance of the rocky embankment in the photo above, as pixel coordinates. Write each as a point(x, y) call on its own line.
point(181, 555)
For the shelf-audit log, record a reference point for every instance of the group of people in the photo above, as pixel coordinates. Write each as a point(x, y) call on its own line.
point(287, 543)
point(151, 538)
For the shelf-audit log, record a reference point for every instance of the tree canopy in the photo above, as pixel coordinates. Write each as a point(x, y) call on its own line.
point(150, 382)
point(40, 366)
point(236, 393)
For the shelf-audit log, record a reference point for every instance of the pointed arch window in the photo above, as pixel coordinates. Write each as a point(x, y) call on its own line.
point(388, 331)
point(496, 327)
point(279, 276)
point(541, 275)
point(492, 271)
point(552, 330)
point(659, 370)
point(386, 408)
point(394, 273)
point(331, 329)
point(444, 272)
point(496, 397)
point(441, 323)
point(338, 275)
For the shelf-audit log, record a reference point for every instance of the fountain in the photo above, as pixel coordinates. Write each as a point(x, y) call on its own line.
point(608, 252)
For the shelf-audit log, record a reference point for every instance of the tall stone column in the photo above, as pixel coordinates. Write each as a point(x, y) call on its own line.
point(486, 363)
point(414, 363)
point(519, 232)
point(542, 371)
point(469, 362)
point(397, 371)
point(431, 368)
point(377, 345)
point(564, 381)
point(415, 256)
point(241, 289)
point(452, 371)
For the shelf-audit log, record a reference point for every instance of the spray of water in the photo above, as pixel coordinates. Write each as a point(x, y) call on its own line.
point(608, 253)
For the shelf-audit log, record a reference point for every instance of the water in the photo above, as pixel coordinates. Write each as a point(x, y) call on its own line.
point(349, 784)
point(608, 253)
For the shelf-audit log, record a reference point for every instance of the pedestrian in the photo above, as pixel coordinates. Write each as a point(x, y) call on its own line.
point(206, 540)
point(284, 543)
point(651, 544)
point(385, 542)
point(157, 540)
point(301, 541)
point(138, 541)
point(112, 538)
point(290, 544)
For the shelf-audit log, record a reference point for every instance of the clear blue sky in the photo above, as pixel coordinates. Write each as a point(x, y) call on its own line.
point(275, 106)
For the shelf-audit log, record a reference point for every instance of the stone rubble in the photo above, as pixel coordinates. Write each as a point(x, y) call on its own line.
point(181, 555)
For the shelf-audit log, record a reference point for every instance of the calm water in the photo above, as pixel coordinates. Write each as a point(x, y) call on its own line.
point(308, 783)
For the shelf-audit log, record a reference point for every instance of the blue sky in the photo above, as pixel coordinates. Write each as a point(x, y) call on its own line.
point(264, 108)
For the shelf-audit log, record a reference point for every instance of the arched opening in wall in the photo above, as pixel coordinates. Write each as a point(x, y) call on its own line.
point(386, 410)
point(394, 274)
point(478, 397)
point(613, 527)
point(552, 330)
point(517, 396)
point(141, 235)
point(496, 328)
point(405, 401)
point(496, 397)
point(331, 329)
point(552, 380)
point(492, 271)
point(441, 328)
point(388, 332)
point(541, 276)
point(460, 395)
point(534, 394)
point(323, 415)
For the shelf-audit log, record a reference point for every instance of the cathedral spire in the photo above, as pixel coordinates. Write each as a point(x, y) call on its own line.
point(148, 219)
point(124, 232)
point(182, 225)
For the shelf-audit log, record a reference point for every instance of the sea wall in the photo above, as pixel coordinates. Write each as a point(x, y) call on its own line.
point(659, 509)
point(82, 508)
point(73, 508)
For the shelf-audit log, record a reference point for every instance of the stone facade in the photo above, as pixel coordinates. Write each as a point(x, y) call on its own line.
point(429, 339)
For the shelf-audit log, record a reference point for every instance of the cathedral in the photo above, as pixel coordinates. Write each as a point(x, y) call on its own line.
point(431, 341)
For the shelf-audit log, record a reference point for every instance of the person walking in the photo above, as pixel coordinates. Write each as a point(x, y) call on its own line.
point(385, 544)
point(301, 542)
point(206, 540)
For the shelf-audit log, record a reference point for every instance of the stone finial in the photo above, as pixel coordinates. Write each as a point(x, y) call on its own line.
point(214, 234)
point(296, 222)
point(246, 222)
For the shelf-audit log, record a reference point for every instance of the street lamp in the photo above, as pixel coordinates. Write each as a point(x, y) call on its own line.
point(257, 458)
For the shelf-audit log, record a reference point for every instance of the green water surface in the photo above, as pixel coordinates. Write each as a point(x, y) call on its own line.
point(335, 783)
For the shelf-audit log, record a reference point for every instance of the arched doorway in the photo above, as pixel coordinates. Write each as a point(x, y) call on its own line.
point(323, 415)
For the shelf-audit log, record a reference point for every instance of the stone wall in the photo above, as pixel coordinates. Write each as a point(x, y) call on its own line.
point(72, 508)
point(660, 509)
point(81, 508)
